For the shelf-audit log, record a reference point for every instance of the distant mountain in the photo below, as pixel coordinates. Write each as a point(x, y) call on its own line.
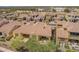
point(45, 7)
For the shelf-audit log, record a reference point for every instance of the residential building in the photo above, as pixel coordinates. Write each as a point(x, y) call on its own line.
point(9, 28)
point(67, 32)
point(39, 29)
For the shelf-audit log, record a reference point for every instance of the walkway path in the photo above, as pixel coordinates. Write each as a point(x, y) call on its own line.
point(5, 50)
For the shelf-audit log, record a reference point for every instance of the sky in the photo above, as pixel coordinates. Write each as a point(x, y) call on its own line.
point(39, 2)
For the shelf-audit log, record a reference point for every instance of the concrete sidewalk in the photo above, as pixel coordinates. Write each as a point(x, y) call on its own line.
point(5, 50)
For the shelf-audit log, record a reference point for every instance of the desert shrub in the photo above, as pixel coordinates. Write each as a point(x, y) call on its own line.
point(67, 10)
point(18, 44)
point(34, 46)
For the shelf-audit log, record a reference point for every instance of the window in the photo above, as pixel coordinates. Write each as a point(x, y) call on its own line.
point(43, 38)
point(0, 33)
point(59, 25)
point(25, 35)
point(74, 33)
point(62, 39)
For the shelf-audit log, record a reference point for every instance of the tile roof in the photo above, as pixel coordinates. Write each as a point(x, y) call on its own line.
point(38, 28)
point(69, 26)
point(61, 33)
point(73, 27)
point(9, 27)
point(3, 21)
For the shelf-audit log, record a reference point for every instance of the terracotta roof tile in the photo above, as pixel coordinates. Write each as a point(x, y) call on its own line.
point(9, 27)
point(35, 29)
